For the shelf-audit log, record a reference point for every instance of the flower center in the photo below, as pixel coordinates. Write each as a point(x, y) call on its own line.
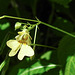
point(24, 39)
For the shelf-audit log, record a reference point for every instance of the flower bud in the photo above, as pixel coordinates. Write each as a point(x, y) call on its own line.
point(17, 25)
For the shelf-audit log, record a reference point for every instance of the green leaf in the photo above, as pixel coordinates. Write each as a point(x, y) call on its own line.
point(4, 29)
point(37, 68)
point(66, 54)
point(46, 55)
point(4, 26)
point(34, 67)
point(2, 65)
point(70, 66)
point(60, 72)
point(5, 65)
point(25, 68)
point(62, 2)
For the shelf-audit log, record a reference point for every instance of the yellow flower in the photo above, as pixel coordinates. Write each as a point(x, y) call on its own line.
point(22, 41)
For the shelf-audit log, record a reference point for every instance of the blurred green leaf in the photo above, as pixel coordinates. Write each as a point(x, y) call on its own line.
point(4, 26)
point(63, 24)
point(5, 65)
point(2, 65)
point(60, 72)
point(64, 10)
point(46, 55)
point(70, 66)
point(66, 54)
point(62, 2)
point(4, 43)
point(4, 29)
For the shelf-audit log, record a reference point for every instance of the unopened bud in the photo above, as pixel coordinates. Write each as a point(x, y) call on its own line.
point(17, 25)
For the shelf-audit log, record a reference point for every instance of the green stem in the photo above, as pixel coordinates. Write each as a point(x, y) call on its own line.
point(34, 41)
point(43, 46)
point(6, 65)
point(58, 29)
point(35, 36)
point(34, 26)
point(5, 16)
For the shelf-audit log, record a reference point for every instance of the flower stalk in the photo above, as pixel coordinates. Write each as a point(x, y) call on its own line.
point(53, 27)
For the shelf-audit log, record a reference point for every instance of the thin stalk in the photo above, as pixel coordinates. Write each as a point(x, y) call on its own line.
point(43, 46)
point(6, 16)
point(56, 28)
point(34, 40)
point(35, 36)
point(34, 26)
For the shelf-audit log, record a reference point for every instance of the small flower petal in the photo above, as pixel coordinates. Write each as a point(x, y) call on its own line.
point(18, 37)
point(25, 51)
point(13, 44)
point(15, 47)
point(13, 52)
point(23, 32)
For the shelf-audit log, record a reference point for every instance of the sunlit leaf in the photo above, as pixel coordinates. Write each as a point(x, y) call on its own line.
point(66, 54)
point(2, 65)
point(70, 66)
point(5, 65)
point(60, 72)
point(35, 66)
point(46, 55)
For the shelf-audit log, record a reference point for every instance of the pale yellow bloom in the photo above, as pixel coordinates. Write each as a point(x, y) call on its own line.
point(22, 41)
